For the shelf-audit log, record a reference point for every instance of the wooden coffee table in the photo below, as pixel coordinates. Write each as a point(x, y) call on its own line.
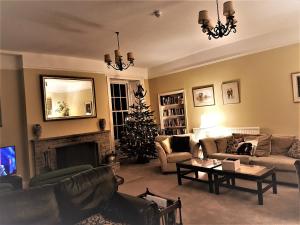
point(246, 172)
point(193, 166)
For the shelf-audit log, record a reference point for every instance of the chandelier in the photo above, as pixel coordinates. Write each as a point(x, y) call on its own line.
point(220, 29)
point(119, 64)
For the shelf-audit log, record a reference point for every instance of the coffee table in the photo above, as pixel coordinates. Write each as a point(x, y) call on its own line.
point(195, 165)
point(246, 172)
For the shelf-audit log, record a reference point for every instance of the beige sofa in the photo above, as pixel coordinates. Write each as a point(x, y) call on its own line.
point(168, 160)
point(285, 169)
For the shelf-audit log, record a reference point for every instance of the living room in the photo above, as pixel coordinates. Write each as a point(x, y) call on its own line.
point(172, 53)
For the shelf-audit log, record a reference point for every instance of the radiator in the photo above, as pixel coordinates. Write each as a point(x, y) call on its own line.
point(224, 131)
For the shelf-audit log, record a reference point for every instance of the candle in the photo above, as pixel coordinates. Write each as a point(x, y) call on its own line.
point(117, 53)
point(228, 9)
point(203, 17)
point(130, 56)
point(107, 58)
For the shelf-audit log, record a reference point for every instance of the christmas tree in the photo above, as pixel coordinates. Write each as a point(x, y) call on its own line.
point(140, 130)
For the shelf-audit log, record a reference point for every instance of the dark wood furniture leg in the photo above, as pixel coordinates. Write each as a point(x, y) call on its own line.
point(216, 182)
point(210, 183)
point(196, 174)
point(178, 175)
point(260, 192)
point(274, 183)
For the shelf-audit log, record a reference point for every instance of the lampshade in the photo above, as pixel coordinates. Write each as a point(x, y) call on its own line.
point(203, 17)
point(228, 9)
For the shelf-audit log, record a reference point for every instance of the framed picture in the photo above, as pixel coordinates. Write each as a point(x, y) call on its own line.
point(296, 86)
point(231, 92)
point(203, 95)
point(88, 108)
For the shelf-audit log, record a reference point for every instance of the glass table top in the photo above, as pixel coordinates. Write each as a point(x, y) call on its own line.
point(207, 163)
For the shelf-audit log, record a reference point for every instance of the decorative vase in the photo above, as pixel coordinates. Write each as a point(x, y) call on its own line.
point(37, 130)
point(111, 158)
point(102, 124)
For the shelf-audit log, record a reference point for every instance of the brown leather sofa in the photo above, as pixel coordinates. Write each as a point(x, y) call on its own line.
point(74, 199)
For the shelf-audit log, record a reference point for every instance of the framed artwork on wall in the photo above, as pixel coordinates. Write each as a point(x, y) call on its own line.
point(203, 95)
point(231, 92)
point(296, 86)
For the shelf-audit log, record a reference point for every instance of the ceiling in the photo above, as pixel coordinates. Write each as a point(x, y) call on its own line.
point(86, 28)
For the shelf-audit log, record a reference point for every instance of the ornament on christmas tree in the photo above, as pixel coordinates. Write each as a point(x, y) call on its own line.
point(140, 130)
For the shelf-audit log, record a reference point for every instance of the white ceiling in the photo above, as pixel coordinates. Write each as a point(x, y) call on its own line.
point(86, 28)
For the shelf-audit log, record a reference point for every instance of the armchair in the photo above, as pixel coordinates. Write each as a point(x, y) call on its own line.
point(168, 159)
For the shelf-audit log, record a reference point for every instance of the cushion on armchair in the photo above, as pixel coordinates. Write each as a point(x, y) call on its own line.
point(166, 144)
point(181, 144)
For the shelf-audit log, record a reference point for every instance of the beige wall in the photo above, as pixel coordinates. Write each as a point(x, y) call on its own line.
point(13, 131)
point(266, 90)
point(34, 111)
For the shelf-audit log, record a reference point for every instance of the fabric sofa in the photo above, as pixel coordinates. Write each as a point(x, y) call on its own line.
point(85, 195)
point(277, 156)
point(168, 159)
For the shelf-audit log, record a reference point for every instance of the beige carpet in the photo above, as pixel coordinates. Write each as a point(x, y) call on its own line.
point(202, 207)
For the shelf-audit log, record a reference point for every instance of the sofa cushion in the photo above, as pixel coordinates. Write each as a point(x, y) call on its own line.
point(208, 146)
point(263, 147)
point(294, 150)
point(181, 143)
point(222, 143)
point(243, 158)
point(281, 162)
point(34, 206)
point(81, 194)
point(166, 144)
point(178, 156)
point(233, 144)
point(281, 144)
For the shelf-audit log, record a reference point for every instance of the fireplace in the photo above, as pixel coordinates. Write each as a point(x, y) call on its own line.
point(60, 152)
point(78, 154)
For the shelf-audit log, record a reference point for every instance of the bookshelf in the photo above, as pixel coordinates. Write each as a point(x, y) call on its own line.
point(172, 112)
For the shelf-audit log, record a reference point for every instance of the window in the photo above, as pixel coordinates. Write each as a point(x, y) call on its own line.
point(119, 102)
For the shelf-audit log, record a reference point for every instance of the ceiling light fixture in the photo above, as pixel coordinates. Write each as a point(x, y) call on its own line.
point(119, 64)
point(220, 29)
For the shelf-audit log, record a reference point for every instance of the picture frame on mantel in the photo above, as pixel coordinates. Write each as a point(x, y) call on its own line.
point(296, 86)
point(203, 95)
point(231, 92)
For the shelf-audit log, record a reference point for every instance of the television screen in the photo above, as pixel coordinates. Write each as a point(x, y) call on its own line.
point(8, 164)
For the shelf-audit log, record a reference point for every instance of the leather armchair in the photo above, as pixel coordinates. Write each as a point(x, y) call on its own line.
point(74, 199)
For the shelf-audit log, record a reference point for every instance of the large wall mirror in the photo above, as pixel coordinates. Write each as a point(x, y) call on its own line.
point(68, 97)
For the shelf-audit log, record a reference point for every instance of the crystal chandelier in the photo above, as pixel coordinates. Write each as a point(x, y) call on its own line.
point(119, 64)
point(220, 29)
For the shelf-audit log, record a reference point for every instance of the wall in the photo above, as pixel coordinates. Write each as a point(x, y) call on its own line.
point(34, 112)
point(13, 130)
point(266, 90)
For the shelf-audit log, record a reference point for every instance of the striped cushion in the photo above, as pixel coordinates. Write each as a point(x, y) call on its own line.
point(294, 150)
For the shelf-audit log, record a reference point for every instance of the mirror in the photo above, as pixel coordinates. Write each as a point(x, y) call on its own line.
point(68, 97)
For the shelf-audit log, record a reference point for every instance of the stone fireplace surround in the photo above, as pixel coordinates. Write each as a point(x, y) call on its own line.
point(49, 145)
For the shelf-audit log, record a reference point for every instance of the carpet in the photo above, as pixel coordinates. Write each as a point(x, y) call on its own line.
point(201, 207)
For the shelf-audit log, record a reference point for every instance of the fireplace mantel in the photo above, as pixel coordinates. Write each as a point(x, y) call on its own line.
point(49, 145)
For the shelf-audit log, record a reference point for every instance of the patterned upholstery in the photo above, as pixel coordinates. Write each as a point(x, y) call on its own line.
point(98, 219)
